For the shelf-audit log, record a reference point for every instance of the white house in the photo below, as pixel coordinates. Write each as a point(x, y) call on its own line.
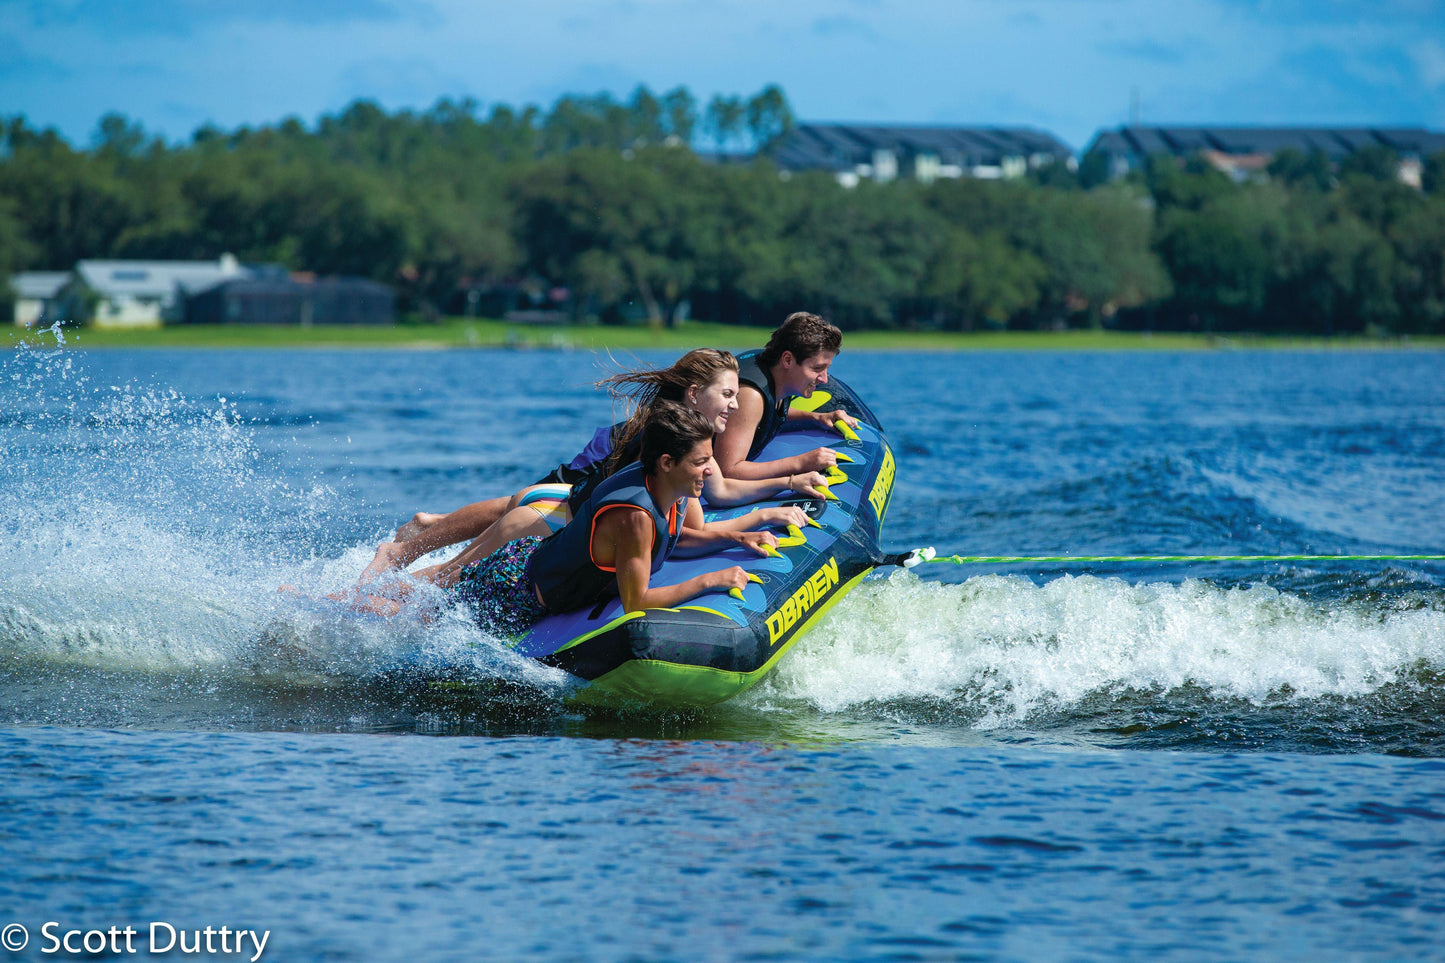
point(129, 294)
point(856, 152)
point(1244, 152)
point(37, 296)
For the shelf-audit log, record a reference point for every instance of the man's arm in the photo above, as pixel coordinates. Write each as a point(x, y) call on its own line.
point(827, 419)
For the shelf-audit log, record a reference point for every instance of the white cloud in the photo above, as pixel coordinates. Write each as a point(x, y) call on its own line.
point(1068, 66)
point(1429, 57)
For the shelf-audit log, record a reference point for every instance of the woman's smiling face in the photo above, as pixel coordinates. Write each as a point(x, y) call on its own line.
point(716, 402)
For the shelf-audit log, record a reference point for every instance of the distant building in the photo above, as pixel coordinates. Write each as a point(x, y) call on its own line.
point(128, 294)
point(37, 296)
point(856, 152)
point(523, 300)
point(1242, 151)
point(151, 293)
point(292, 299)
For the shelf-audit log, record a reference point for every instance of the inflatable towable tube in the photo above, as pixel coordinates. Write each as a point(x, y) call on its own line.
point(714, 646)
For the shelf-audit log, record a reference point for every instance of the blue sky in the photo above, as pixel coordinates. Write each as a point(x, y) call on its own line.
point(1067, 66)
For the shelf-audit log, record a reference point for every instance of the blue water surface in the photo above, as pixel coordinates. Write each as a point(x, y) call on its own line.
point(1050, 761)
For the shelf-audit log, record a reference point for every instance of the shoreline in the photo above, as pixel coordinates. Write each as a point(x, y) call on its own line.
point(463, 334)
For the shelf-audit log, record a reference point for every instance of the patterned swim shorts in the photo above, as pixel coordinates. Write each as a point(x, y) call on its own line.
point(498, 591)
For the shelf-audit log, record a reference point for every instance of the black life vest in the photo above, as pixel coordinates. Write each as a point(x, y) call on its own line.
point(582, 488)
point(775, 409)
point(562, 568)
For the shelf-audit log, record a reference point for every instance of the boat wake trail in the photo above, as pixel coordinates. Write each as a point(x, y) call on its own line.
point(1105, 654)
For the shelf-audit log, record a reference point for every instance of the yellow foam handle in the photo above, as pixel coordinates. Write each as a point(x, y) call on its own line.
point(826, 492)
point(810, 521)
point(770, 552)
point(835, 475)
point(795, 537)
point(737, 593)
point(844, 456)
point(845, 430)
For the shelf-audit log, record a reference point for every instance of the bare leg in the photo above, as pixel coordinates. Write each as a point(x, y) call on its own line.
point(466, 522)
point(518, 523)
point(419, 523)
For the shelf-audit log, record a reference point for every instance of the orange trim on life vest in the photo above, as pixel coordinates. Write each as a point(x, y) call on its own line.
point(592, 534)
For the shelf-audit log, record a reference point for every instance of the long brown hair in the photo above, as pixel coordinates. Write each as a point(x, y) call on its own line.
point(698, 368)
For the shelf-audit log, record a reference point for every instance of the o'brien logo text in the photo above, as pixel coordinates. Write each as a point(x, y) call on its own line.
point(883, 487)
point(809, 594)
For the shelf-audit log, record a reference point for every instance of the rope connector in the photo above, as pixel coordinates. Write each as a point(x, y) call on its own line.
point(918, 556)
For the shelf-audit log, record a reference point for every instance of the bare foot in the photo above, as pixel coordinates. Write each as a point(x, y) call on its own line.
point(419, 523)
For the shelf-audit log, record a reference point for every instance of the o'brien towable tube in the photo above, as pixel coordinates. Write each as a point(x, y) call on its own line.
point(715, 646)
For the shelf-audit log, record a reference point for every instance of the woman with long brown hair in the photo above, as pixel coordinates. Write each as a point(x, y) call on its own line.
point(705, 380)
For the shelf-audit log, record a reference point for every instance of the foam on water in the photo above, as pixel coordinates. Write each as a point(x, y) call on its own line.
point(144, 532)
point(996, 650)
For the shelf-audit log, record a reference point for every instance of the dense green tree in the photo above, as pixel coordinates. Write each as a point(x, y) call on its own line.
point(1418, 240)
point(1295, 168)
point(723, 121)
point(1056, 175)
point(1373, 162)
point(1432, 174)
point(1093, 170)
point(768, 117)
point(608, 226)
point(679, 111)
point(607, 198)
point(1191, 185)
point(982, 279)
point(1219, 256)
point(15, 253)
point(1094, 245)
point(71, 204)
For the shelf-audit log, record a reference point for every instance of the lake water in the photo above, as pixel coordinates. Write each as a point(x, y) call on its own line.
point(1127, 761)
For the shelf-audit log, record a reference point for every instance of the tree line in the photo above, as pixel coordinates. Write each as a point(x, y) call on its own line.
point(610, 200)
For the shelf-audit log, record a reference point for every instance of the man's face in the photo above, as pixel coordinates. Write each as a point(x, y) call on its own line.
point(803, 376)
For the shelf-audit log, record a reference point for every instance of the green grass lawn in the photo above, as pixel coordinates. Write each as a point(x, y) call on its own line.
point(480, 333)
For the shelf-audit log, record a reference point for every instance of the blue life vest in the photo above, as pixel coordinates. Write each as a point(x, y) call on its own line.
point(562, 568)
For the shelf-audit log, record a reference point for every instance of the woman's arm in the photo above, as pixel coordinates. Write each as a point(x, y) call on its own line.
point(772, 517)
point(731, 447)
point(726, 492)
point(630, 534)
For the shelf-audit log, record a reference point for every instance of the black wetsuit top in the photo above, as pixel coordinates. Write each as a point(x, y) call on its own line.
point(562, 568)
point(775, 409)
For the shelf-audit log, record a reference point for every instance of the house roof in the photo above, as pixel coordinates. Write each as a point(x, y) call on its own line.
point(281, 284)
point(156, 279)
point(1335, 142)
point(840, 147)
point(39, 285)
